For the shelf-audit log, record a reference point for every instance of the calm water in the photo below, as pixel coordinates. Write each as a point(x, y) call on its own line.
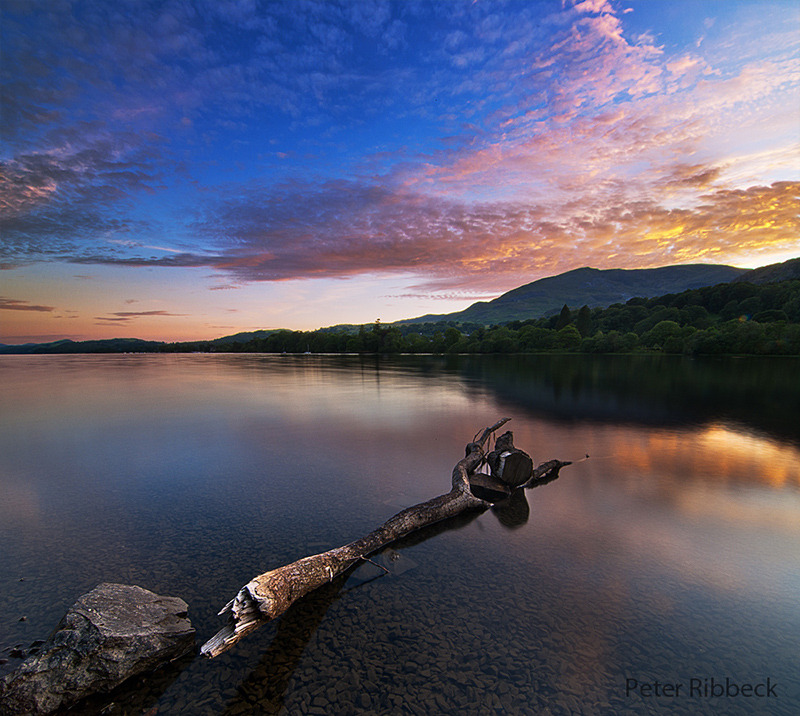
point(672, 553)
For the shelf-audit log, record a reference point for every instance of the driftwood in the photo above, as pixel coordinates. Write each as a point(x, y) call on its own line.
point(269, 595)
point(508, 463)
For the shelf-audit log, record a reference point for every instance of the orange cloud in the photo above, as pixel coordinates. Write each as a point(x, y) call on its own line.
point(456, 244)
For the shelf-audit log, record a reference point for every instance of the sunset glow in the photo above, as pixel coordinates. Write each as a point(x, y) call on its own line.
point(182, 171)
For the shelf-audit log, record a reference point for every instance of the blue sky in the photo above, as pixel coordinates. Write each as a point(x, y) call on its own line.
point(180, 170)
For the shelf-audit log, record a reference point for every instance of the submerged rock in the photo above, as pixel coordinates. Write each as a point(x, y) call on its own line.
point(110, 634)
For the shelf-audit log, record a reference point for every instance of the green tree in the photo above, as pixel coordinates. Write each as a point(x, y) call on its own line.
point(663, 333)
point(451, 336)
point(536, 338)
point(584, 321)
point(695, 315)
point(416, 343)
point(659, 314)
point(770, 316)
point(499, 339)
point(564, 318)
point(568, 339)
point(628, 342)
point(355, 344)
point(708, 342)
point(437, 343)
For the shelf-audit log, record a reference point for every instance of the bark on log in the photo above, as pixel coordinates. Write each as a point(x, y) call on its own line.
point(270, 594)
point(509, 464)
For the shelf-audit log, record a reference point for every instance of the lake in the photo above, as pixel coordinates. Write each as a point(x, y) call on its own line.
point(671, 554)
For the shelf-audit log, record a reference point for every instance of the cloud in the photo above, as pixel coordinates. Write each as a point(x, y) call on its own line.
point(136, 314)
point(594, 111)
point(12, 304)
point(692, 176)
point(451, 296)
point(562, 140)
point(52, 202)
point(182, 260)
point(341, 229)
point(127, 316)
point(90, 99)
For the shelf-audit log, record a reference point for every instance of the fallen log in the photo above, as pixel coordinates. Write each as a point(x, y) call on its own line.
point(508, 463)
point(269, 595)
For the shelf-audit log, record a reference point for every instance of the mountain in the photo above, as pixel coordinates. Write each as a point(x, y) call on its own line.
point(587, 286)
point(111, 345)
point(583, 286)
point(773, 273)
point(242, 337)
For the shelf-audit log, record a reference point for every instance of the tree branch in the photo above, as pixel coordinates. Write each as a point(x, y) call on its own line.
point(270, 594)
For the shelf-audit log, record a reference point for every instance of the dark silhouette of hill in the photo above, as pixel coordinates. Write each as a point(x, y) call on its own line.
point(590, 287)
point(773, 273)
point(111, 345)
point(241, 337)
point(537, 302)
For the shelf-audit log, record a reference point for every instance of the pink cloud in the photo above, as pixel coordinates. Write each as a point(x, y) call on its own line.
point(12, 304)
point(358, 229)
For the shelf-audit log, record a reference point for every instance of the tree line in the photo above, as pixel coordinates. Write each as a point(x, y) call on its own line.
point(731, 318)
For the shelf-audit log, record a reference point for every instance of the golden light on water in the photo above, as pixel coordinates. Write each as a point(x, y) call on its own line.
point(740, 453)
point(717, 453)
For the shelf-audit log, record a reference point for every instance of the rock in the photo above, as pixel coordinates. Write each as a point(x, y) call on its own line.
point(114, 632)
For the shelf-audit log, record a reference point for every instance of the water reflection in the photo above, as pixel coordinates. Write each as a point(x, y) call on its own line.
point(743, 412)
point(744, 454)
point(715, 453)
point(514, 511)
point(763, 395)
point(673, 550)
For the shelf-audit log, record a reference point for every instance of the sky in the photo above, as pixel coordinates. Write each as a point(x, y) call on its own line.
point(189, 169)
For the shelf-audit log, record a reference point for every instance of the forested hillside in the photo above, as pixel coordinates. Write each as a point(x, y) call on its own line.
point(729, 318)
point(588, 286)
point(738, 318)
